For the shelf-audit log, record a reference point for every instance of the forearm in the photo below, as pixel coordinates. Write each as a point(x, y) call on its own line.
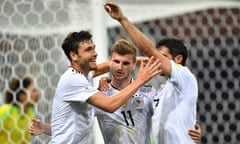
point(112, 103)
point(120, 98)
point(101, 69)
point(138, 38)
point(145, 45)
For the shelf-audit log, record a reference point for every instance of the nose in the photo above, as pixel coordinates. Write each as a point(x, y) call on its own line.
point(95, 53)
point(120, 66)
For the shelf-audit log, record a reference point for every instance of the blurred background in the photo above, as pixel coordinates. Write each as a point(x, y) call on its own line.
point(31, 32)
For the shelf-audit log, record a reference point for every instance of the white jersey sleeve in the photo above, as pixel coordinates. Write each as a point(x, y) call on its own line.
point(76, 87)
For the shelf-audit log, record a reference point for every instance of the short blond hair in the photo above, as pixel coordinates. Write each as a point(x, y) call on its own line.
point(124, 47)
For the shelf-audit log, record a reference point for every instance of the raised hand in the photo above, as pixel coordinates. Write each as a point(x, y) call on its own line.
point(104, 83)
point(149, 69)
point(142, 59)
point(113, 10)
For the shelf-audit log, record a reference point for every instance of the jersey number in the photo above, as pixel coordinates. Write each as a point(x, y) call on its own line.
point(127, 115)
point(156, 102)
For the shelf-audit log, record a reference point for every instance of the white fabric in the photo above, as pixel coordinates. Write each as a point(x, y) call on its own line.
point(131, 123)
point(72, 116)
point(175, 113)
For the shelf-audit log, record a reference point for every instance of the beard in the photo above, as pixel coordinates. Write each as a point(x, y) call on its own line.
point(92, 65)
point(87, 65)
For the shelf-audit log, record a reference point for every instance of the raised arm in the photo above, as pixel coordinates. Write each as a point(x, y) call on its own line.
point(138, 38)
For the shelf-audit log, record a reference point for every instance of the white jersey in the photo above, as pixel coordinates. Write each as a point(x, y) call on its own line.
point(131, 123)
point(72, 117)
point(175, 113)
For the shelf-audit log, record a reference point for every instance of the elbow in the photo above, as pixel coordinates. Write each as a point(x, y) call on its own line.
point(111, 108)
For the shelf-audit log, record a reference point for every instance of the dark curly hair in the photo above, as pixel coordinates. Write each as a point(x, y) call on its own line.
point(175, 47)
point(72, 40)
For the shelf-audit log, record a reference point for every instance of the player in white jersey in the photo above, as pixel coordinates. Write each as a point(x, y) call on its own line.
point(72, 110)
point(131, 123)
point(178, 98)
point(176, 110)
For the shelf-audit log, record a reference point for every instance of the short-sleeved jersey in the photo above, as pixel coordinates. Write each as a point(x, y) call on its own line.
point(131, 123)
point(175, 113)
point(14, 124)
point(72, 117)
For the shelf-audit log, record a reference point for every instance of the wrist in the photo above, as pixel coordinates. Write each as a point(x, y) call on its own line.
point(139, 82)
point(44, 129)
point(121, 19)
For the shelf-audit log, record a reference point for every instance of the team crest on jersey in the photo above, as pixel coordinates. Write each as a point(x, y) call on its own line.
point(138, 102)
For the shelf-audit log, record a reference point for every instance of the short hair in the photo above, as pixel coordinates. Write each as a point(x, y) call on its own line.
point(72, 41)
point(175, 47)
point(123, 47)
point(16, 87)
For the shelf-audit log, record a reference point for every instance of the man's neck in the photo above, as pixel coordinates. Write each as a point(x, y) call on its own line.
point(76, 67)
point(120, 84)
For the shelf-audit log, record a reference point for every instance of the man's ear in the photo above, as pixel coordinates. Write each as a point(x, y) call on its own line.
point(73, 56)
point(178, 59)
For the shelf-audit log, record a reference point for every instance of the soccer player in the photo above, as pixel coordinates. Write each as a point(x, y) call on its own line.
point(176, 111)
point(131, 123)
point(72, 111)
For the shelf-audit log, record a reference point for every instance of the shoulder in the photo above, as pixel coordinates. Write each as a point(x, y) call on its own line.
point(182, 76)
point(146, 88)
point(71, 76)
point(180, 70)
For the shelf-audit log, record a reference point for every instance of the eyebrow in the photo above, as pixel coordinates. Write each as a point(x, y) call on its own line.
point(124, 62)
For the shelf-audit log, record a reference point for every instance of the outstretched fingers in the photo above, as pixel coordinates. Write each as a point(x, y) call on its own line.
point(150, 69)
point(154, 64)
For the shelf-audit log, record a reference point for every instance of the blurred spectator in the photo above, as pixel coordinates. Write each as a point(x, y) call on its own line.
point(18, 111)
